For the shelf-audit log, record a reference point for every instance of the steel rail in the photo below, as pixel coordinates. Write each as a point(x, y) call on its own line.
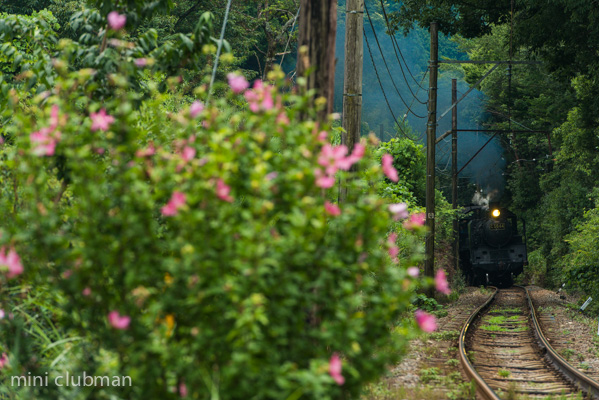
point(481, 386)
point(584, 382)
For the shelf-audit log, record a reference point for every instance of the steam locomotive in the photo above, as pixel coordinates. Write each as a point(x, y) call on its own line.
point(491, 250)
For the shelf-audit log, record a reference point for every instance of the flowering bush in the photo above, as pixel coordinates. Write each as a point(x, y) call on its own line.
point(195, 249)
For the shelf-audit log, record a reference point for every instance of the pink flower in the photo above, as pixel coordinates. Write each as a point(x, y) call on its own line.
point(3, 360)
point(237, 82)
point(415, 220)
point(175, 203)
point(45, 142)
point(322, 136)
point(260, 97)
point(87, 291)
point(323, 180)
point(441, 282)
point(196, 108)
point(118, 321)
point(183, 390)
point(425, 321)
point(222, 191)
point(54, 117)
point(12, 262)
point(2, 314)
point(46, 138)
point(116, 21)
point(101, 121)
point(413, 272)
point(387, 162)
point(332, 209)
point(399, 210)
point(335, 369)
point(393, 249)
point(333, 158)
point(282, 119)
point(140, 62)
point(357, 153)
point(148, 151)
point(188, 153)
point(271, 175)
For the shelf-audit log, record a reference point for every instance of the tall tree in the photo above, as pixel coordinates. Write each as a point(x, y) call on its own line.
point(317, 33)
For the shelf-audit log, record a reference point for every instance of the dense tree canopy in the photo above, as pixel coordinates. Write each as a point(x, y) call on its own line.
point(550, 179)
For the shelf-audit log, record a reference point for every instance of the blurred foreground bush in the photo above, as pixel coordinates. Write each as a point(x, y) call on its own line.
point(191, 248)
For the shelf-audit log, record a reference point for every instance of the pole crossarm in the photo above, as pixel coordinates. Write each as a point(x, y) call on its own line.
point(443, 136)
point(489, 62)
point(447, 133)
point(497, 64)
point(468, 92)
point(479, 150)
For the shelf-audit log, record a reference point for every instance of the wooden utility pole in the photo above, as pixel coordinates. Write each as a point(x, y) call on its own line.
point(352, 78)
point(454, 169)
point(316, 44)
point(431, 136)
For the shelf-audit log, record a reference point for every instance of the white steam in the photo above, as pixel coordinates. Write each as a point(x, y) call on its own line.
point(480, 199)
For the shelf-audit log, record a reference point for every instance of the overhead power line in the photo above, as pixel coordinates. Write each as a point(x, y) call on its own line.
point(397, 50)
point(382, 88)
point(387, 66)
point(413, 100)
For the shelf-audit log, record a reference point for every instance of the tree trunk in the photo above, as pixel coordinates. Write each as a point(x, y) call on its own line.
point(316, 44)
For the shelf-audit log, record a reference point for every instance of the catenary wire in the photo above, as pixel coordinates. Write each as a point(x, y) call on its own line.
point(382, 89)
point(387, 66)
point(397, 50)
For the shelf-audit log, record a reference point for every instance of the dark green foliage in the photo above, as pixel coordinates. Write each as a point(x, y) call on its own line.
point(136, 10)
point(549, 176)
point(25, 7)
point(427, 304)
point(469, 19)
point(410, 162)
point(581, 265)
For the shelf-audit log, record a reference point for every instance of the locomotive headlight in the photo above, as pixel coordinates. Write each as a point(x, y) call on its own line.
point(495, 213)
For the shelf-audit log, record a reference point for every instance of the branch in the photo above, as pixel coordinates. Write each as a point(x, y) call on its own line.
point(258, 48)
point(186, 14)
point(285, 29)
point(258, 59)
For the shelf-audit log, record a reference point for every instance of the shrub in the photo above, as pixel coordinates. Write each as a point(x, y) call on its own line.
point(580, 264)
point(193, 249)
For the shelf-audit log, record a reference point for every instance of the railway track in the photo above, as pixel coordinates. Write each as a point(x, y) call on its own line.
point(503, 350)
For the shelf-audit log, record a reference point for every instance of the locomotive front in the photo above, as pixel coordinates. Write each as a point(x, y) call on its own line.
point(491, 249)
